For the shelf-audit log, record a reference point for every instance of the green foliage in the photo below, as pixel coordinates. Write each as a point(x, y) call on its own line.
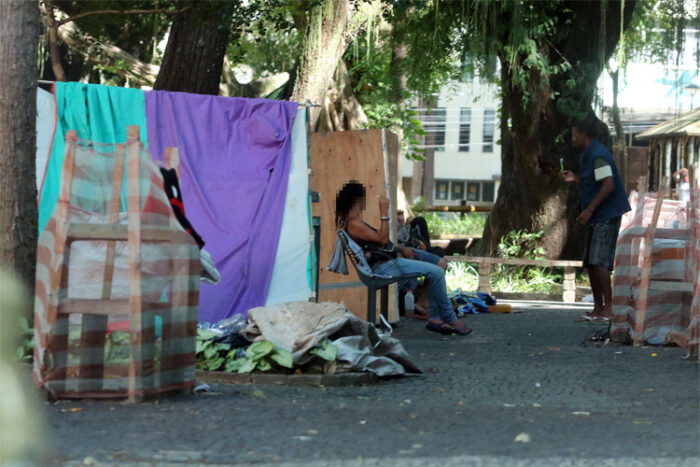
point(420, 206)
point(269, 46)
point(465, 276)
point(521, 244)
point(326, 351)
point(260, 356)
point(468, 224)
point(211, 355)
point(25, 350)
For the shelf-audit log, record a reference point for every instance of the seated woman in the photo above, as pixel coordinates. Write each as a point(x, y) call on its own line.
point(385, 258)
point(408, 236)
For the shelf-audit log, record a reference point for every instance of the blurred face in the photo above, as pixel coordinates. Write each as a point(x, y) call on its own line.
point(578, 138)
point(358, 207)
point(399, 217)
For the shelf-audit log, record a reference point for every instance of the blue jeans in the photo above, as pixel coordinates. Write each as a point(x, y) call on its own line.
point(440, 305)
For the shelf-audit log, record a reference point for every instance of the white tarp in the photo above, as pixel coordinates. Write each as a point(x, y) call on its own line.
point(45, 126)
point(290, 276)
point(301, 326)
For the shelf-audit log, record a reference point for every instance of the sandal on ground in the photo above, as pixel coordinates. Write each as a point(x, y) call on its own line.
point(585, 318)
point(464, 330)
point(444, 328)
point(441, 327)
point(600, 320)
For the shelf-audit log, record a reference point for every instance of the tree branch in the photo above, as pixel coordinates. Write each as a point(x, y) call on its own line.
point(163, 11)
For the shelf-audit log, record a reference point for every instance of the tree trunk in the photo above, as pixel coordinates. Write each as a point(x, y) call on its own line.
point(19, 36)
point(194, 56)
point(535, 135)
point(620, 151)
point(397, 96)
point(423, 183)
point(341, 110)
point(330, 24)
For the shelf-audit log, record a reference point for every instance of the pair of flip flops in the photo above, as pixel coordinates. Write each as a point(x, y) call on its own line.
point(444, 328)
point(590, 318)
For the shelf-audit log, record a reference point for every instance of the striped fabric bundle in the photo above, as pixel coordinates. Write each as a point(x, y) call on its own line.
point(117, 281)
point(694, 328)
point(672, 271)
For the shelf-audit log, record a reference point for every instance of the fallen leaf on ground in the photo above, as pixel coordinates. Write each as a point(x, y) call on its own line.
point(508, 405)
point(642, 422)
point(581, 413)
point(535, 404)
point(259, 394)
point(413, 415)
point(522, 438)
point(553, 349)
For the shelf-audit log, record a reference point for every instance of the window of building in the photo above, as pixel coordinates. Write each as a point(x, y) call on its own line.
point(473, 191)
point(465, 117)
point(434, 125)
point(488, 191)
point(457, 191)
point(489, 121)
point(441, 189)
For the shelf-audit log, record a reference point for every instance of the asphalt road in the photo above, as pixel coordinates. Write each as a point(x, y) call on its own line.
point(528, 375)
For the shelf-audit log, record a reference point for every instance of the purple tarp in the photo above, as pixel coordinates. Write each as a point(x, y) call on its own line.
point(234, 165)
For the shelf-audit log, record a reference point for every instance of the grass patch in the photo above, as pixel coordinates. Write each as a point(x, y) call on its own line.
point(453, 224)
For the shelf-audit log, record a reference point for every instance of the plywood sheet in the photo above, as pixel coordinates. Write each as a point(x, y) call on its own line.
point(336, 158)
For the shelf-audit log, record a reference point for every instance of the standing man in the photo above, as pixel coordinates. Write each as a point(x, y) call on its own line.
point(603, 202)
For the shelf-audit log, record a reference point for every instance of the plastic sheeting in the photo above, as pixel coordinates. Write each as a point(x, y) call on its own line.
point(291, 275)
point(668, 308)
point(45, 127)
point(299, 327)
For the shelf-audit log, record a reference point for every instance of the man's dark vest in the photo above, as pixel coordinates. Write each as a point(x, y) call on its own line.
point(616, 203)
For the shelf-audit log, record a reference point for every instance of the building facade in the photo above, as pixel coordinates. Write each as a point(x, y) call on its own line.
point(464, 132)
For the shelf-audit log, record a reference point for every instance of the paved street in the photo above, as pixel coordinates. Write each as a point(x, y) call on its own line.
point(527, 375)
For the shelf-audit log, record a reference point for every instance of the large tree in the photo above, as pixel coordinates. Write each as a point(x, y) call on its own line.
point(19, 35)
point(551, 55)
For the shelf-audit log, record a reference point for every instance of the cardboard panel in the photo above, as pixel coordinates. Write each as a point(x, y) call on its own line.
point(336, 158)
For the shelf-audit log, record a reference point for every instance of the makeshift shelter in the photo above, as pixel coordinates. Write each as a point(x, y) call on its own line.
point(104, 265)
point(674, 144)
point(656, 277)
point(244, 178)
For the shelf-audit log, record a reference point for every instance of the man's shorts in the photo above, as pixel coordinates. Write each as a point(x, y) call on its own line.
point(600, 243)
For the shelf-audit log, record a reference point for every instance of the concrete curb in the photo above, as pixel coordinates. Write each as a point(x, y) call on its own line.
point(343, 379)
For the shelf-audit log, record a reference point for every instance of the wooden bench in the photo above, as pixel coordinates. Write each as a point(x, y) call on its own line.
point(486, 265)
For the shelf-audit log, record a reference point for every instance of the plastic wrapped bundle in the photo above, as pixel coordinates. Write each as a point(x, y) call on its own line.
point(117, 281)
point(671, 275)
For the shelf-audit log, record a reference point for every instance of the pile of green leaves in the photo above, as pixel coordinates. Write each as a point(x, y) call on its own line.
point(260, 356)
